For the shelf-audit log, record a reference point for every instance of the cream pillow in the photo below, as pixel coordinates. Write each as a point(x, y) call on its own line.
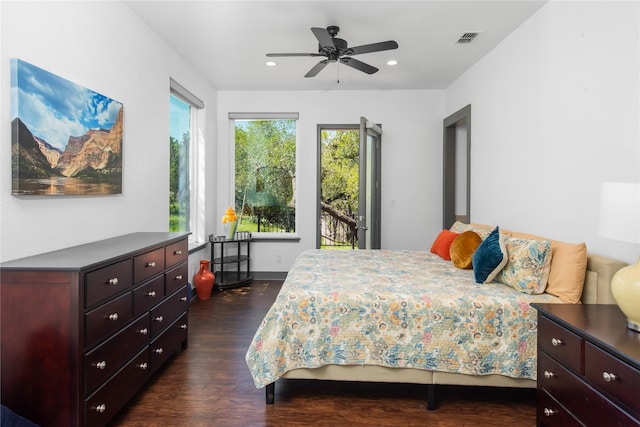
point(568, 267)
point(482, 230)
point(528, 265)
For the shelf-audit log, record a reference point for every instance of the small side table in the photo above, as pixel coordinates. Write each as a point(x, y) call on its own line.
point(230, 261)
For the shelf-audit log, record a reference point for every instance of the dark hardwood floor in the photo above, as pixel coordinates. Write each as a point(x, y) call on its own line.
point(209, 384)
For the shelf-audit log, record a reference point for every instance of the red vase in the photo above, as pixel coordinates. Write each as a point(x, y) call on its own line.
point(203, 280)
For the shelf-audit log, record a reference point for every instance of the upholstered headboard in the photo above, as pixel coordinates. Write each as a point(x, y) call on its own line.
point(597, 281)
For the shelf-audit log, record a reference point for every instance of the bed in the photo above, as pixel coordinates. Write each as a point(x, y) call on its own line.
point(404, 317)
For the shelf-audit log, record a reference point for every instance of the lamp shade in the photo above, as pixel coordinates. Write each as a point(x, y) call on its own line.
point(620, 211)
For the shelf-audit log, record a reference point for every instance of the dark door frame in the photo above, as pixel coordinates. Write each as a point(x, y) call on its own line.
point(369, 217)
point(461, 117)
point(376, 199)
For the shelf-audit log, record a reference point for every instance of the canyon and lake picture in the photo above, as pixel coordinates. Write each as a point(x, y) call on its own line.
point(65, 139)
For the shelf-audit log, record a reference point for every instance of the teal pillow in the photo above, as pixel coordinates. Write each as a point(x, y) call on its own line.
point(490, 257)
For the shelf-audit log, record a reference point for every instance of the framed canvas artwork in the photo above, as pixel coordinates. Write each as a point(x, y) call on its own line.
point(65, 139)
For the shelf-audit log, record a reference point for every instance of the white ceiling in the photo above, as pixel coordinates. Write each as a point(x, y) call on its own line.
point(227, 41)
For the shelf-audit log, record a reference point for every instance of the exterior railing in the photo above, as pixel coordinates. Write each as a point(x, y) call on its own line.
point(335, 232)
point(276, 222)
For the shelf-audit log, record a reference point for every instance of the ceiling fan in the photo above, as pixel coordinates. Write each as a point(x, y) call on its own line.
point(337, 50)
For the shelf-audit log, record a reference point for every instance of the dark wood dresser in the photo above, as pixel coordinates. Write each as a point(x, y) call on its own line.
point(588, 366)
point(83, 328)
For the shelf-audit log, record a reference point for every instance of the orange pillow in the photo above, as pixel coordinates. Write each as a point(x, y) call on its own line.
point(462, 249)
point(442, 244)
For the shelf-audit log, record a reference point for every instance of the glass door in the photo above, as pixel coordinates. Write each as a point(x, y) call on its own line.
point(348, 212)
point(338, 186)
point(369, 192)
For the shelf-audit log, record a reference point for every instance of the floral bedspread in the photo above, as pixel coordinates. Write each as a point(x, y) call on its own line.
point(408, 309)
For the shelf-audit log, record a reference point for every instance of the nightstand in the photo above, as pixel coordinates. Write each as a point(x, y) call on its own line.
point(588, 366)
point(230, 261)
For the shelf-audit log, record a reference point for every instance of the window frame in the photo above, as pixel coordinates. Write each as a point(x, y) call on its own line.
point(244, 116)
point(196, 224)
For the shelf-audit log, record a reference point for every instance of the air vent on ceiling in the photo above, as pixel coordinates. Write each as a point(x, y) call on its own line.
point(468, 37)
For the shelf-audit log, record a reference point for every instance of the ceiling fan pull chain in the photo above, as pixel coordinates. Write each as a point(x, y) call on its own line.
point(338, 66)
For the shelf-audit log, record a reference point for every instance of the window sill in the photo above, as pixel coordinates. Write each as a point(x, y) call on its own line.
point(196, 246)
point(274, 237)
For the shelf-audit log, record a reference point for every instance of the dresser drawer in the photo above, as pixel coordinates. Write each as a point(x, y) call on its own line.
point(558, 342)
point(107, 319)
point(169, 342)
point(168, 311)
point(176, 278)
point(101, 407)
point(105, 360)
point(176, 252)
point(613, 376)
point(563, 385)
point(147, 295)
point(551, 413)
point(579, 398)
point(148, 265)
point(105, 282)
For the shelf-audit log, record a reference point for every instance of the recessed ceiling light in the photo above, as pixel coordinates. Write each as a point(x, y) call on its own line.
point(392, 62)
point(271, 63)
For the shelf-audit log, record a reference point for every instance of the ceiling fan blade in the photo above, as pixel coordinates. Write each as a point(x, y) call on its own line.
point(277, 55)
point(323, 37)
point(317, 68)
point(374, 47)
point(359, 65)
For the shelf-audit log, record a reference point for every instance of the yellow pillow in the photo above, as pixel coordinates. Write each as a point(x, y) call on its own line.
point(462, 249)
point(568, 267)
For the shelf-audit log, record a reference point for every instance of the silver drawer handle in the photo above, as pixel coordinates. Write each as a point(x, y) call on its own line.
point(113, 316)
point(183, 299)
point(159, 319)
point(143, 366)
point(100, 365)
point(608, 377)
point(548, 412)
point(179, 277)
point(183, 326)
point(158, 350)
point(144, 331)
point(151, 264)
point(113, 281)
point(100, 408)
point(556, 342)
point(177, 252)
point(549, 374)
point(151, 294)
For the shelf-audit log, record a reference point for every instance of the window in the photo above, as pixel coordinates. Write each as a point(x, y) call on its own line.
point(265, 172)
point(179, 194)
point(184, 152)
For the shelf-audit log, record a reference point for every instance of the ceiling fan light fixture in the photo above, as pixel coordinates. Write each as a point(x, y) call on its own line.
point(336, 50)
point(392, 62)
point(271, 63)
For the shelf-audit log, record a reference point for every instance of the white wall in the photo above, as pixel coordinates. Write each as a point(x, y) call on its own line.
point(104, 47)
point(555, 112)
point(411, 161)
